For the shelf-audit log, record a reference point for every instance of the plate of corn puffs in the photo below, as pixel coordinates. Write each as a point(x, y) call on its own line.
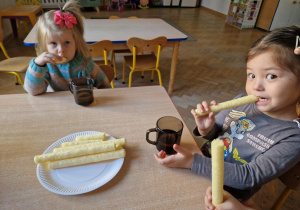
point(80, 162)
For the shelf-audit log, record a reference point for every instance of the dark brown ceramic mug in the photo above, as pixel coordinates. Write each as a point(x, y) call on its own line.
point(82, 89)
point(168, 132)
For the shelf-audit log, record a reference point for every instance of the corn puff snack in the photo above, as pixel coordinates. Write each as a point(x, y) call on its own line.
point(217, 159)
point(83, 144)
point(73, 143)
point(87, 159)
point(230, 104)
point(74, 153)
point(94, 136)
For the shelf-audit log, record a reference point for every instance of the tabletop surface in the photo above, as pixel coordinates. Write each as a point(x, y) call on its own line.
point(120, 30)
point(30, 124)
point(15, 9)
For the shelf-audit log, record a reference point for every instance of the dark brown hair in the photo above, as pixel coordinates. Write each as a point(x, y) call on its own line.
point(282, 42)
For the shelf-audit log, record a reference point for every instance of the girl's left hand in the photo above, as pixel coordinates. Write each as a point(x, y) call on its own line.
point(183, 159)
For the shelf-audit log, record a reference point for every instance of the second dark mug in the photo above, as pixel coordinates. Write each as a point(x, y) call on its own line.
point(168, 132)
point(82, 89)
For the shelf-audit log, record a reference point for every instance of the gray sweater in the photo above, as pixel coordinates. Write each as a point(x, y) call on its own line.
point(259, 149)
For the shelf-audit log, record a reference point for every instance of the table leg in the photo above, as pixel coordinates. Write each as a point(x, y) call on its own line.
point(13, 23)
point(173, 66)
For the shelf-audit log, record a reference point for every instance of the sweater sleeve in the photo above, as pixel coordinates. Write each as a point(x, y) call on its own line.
point(266, 167)
point(36, 81)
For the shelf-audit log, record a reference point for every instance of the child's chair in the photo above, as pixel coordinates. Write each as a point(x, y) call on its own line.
point(101, 50)
point(14, 65)
point(291, 180)
point(114, 52)
point(144, 62)
point(25, 21)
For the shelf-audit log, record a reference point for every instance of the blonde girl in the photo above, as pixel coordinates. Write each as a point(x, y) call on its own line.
point(62, 53)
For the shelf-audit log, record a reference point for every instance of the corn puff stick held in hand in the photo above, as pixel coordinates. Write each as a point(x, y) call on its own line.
point(74, 153)
point(87, 159)
point(217, 161)
point(230, 104)
point(63, 60)
point(94, 136)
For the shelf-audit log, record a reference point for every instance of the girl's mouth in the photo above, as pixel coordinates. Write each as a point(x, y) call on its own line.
point(262, 101)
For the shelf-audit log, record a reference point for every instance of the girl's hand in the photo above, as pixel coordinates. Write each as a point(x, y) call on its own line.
point(183, 159)
point(206, 122)
point(46, 57)
point(229, 202)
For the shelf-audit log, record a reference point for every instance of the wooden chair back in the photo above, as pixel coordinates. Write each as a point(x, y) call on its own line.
point(291, 180)
point(109, 71)
point(101, 49)
point(117, 17)
point(143, 45)
point(28, 2)
point(114, 17)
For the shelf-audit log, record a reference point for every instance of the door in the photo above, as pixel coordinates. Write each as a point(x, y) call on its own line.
point(295, 17)
point(285, 10)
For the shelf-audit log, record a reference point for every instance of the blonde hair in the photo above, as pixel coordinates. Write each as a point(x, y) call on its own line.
point(46, 26)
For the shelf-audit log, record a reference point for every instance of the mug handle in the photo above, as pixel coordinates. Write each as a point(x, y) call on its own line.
point(71, 87)
point(147, 136)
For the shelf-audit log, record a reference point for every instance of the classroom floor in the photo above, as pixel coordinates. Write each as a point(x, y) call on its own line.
point(210, 68)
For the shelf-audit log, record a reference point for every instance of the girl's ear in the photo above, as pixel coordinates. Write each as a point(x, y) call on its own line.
point(297, 51)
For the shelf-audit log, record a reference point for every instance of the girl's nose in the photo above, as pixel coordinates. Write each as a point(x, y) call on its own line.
point(60, 49)
point(258, 84)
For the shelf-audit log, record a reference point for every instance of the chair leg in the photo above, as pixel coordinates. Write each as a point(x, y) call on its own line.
point(123, 77)
point(112, 84)
point(18, 77)
point(142, 75)
point(16, 80)
point(152, 75)
point(130, 78)
point(113, 58)
point(281, 199)
point(159, 77)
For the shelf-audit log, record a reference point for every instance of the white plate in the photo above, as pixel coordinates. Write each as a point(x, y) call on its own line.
point(78, 179)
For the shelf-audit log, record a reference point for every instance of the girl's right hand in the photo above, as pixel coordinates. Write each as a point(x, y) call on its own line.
point(204, 123)
point(47, 57)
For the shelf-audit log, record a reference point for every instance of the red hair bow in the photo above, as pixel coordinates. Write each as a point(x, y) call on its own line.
point(67, 19)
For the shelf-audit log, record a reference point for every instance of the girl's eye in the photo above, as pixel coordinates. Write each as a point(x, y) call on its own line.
point(271, 76)
point(251, 76)
point(53, 43)
point(67, 42)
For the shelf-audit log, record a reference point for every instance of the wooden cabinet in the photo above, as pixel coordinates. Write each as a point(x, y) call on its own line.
point(278, 13)
point(243, 13)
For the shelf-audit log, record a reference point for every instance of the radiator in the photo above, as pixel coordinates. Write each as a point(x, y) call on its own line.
point(61, 3)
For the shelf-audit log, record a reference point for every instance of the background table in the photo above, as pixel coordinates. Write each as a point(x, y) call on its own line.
point(30, 124)
point(120, 30)
point(14, 12)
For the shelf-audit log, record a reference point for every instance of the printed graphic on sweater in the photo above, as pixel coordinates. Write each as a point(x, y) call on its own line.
point(238, 129)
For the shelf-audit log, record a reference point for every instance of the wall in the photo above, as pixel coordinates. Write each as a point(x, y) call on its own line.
point(220, 6)
point(5, 22)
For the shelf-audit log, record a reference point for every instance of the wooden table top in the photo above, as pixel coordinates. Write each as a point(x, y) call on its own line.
point(120, 30)
point(30, 124)
point(20, 10)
